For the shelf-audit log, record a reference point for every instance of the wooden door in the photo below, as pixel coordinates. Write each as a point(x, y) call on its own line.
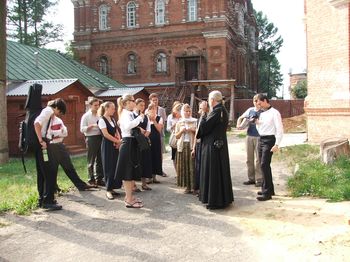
point(70, 121)
point(191, 69)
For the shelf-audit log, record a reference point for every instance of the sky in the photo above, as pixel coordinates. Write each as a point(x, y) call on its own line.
point(286, 15)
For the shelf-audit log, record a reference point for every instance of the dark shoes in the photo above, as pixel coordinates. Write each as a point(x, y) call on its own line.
point(249, 183)
point(260, 193)
point(264, 197)
point(86, 187)
point(51, 207)
point(100, 183)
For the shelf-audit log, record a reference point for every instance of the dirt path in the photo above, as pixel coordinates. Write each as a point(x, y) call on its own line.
point(176, 227)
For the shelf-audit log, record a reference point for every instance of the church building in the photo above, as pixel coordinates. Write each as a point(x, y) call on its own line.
point(162, 44)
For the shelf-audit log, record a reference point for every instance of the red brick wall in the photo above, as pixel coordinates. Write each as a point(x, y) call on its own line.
point(328, 100)
point(219, 54)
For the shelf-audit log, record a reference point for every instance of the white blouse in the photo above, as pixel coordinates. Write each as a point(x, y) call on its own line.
point(128, 122)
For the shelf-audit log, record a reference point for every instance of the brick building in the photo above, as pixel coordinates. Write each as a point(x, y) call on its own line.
point(161, 44)
point(328, 55)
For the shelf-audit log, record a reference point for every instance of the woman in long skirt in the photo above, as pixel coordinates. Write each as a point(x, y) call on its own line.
point(172, 119)
point(185, 135)
point(109, 147)
point(128, 166)
point(146, 159)
point(156, 146)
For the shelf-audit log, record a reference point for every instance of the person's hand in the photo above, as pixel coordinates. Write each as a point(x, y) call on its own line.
point(183, 129)
point(275, 148)
point(193, 153)
point(43, 144)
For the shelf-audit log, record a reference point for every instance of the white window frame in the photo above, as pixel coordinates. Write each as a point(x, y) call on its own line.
point(192, 10)
point(161, 63)
point(131, 14)
point(160, 12)
point(103, 17)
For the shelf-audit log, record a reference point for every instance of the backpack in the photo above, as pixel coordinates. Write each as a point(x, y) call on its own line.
point(28, 140)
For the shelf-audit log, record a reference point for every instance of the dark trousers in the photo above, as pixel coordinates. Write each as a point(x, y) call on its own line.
point(265, 155)
point(60, 156)
point(46, 181)
point(93, 144)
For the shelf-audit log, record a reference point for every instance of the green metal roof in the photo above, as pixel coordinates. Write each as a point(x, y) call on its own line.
point(27, 62)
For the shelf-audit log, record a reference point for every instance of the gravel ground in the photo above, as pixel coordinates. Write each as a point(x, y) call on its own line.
point(175, 227)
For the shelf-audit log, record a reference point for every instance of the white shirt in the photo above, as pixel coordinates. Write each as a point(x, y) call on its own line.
point(270, 123)
point(102, 124)
point(43, 119)
point(87, 119)
point(57, 130)
point(171, 121)
point(127, 122)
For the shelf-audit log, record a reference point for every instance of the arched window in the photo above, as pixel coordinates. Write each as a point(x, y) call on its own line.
point(160, 12)
point(161, 65)
point(192, 10)
point(131, 64)
point(131, 14)
point(103, 65)
point(103, 15)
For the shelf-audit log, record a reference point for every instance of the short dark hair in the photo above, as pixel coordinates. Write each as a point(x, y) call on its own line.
point(262, 97)
point(59, 104)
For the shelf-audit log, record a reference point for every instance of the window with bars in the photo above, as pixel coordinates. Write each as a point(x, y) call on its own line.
point(103, 17)
point(103, 64)
point(131, 64)
point(160, 12)
point(192, 10)
point(131, 15)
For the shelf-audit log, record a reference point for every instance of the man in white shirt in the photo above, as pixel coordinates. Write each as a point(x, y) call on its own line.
point(93, 139)
point(46, 179)
point(270, 128)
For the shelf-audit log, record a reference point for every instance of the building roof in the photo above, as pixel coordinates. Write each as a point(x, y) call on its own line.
point(27, 62)
point(50, 87)
point(120, 91)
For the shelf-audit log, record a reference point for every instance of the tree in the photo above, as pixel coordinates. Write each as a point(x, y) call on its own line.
point(27, 20)
point(269, 44)
point(300, 89)
point(3, 110)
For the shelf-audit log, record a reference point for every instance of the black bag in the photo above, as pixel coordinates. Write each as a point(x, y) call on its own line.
point(142, 140)
point(28, 140)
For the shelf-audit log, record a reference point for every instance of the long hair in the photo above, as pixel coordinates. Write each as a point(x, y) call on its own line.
point(176, 108)
point(102, 109)
point(122, 102)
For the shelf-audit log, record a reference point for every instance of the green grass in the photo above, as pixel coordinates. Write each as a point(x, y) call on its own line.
point(313, 177)
point(18, 191)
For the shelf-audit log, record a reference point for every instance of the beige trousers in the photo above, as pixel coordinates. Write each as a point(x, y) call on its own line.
point(253, 162)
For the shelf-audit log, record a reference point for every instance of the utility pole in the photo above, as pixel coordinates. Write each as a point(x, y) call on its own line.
point(4, 149)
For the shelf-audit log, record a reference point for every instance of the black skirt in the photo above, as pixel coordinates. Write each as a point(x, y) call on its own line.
point(128, 166)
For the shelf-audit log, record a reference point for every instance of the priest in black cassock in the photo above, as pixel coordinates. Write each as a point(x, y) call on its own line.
point(215, 178)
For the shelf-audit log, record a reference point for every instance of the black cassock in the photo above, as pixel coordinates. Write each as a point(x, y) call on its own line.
point(215, 177)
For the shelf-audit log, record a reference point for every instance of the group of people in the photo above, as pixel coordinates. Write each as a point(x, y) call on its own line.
point(199, 148)
point(264, 135)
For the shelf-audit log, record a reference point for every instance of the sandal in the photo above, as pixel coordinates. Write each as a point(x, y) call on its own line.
point(133, 205)
point(145, 187)
point(136, 199)
point(136, 189)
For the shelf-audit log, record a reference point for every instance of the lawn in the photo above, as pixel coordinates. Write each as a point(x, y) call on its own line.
point(314, 178)
point(18, 191)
